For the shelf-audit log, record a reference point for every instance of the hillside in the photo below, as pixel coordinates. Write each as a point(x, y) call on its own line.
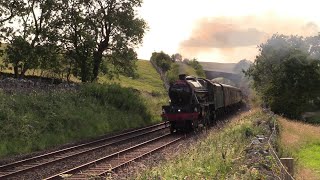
point(222, 67)
point(148, 80)
point(148, 83)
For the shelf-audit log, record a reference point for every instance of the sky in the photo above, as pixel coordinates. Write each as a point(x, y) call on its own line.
point(222, 30)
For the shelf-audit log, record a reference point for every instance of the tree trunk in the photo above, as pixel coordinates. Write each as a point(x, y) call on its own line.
point(16, 71)
point(23, 71)
point(97, 59)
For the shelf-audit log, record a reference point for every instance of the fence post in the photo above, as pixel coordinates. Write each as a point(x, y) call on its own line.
point(288, 163)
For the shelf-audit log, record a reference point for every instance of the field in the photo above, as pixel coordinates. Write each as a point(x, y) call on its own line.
point(302, 141)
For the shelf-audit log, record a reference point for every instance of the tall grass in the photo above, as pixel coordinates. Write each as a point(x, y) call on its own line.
point(214, 157)
point(41, 120)
point(301, 141)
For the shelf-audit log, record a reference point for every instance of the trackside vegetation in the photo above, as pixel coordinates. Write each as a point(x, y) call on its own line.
point(36, 121)
point(302, 142)
point(218, 156)
point(286, 74)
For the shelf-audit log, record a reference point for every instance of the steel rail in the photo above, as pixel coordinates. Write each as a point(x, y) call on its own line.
point(7, 171)
point(106, 169)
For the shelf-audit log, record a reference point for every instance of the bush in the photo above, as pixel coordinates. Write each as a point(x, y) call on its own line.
point(197, 66)
point(173, 74)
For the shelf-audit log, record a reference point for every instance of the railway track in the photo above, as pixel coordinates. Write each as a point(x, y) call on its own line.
point(104, 166)
point(19, 168)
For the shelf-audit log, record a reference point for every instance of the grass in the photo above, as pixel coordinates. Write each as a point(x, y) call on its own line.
point(148, 83)
point(212, 158)
point(148, 79)
point(180, 68)
point(302, 141)
point(173, 73)
point(41, 120)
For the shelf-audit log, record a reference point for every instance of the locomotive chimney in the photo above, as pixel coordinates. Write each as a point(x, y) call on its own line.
point(182, 76)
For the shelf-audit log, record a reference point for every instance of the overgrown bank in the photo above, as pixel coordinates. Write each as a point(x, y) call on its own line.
point(230, 151)
point(39, 120)
point(148, 82)
point(302, 142)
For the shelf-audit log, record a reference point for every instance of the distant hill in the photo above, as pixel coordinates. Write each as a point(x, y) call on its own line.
point(242, 65)
point(227, 67)
point(224, 81)
point(221, 67)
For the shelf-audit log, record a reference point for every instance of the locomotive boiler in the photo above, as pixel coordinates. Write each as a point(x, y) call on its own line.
point(197, 102)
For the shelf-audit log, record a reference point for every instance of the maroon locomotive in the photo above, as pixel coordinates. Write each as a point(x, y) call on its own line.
point(197, 101)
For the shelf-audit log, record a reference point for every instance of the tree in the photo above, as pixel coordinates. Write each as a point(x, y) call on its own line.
point(285, 75)
point(33, 31)
point(104, 33)
point(76, 39)
point(197, 66)
point(176, 57)
point(118, 31)
point(162, 60)
point(8, 9)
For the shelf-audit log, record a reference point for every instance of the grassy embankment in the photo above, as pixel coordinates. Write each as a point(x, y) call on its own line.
point(41, 120)
point(215, 157)
point(45, 119)
point(149, 84)
point(301, 141)
point(180, 68)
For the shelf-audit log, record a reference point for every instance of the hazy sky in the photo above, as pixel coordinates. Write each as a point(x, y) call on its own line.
point(223, 30)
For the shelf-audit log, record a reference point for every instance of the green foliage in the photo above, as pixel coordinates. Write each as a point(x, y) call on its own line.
point(8, 9)
point(17, 51)
point(285, 76)
point(173, 74)
point(162, 60)
point(32, 32)
point(72, 36)
point(197, 66)
point(41, 120)
point(176, 57)
point(148, 83)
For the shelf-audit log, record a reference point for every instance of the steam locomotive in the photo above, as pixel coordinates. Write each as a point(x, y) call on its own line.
point(198, 102)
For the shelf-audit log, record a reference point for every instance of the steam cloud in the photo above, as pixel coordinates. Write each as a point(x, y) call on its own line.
point(234, 37)
point(215, 34)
